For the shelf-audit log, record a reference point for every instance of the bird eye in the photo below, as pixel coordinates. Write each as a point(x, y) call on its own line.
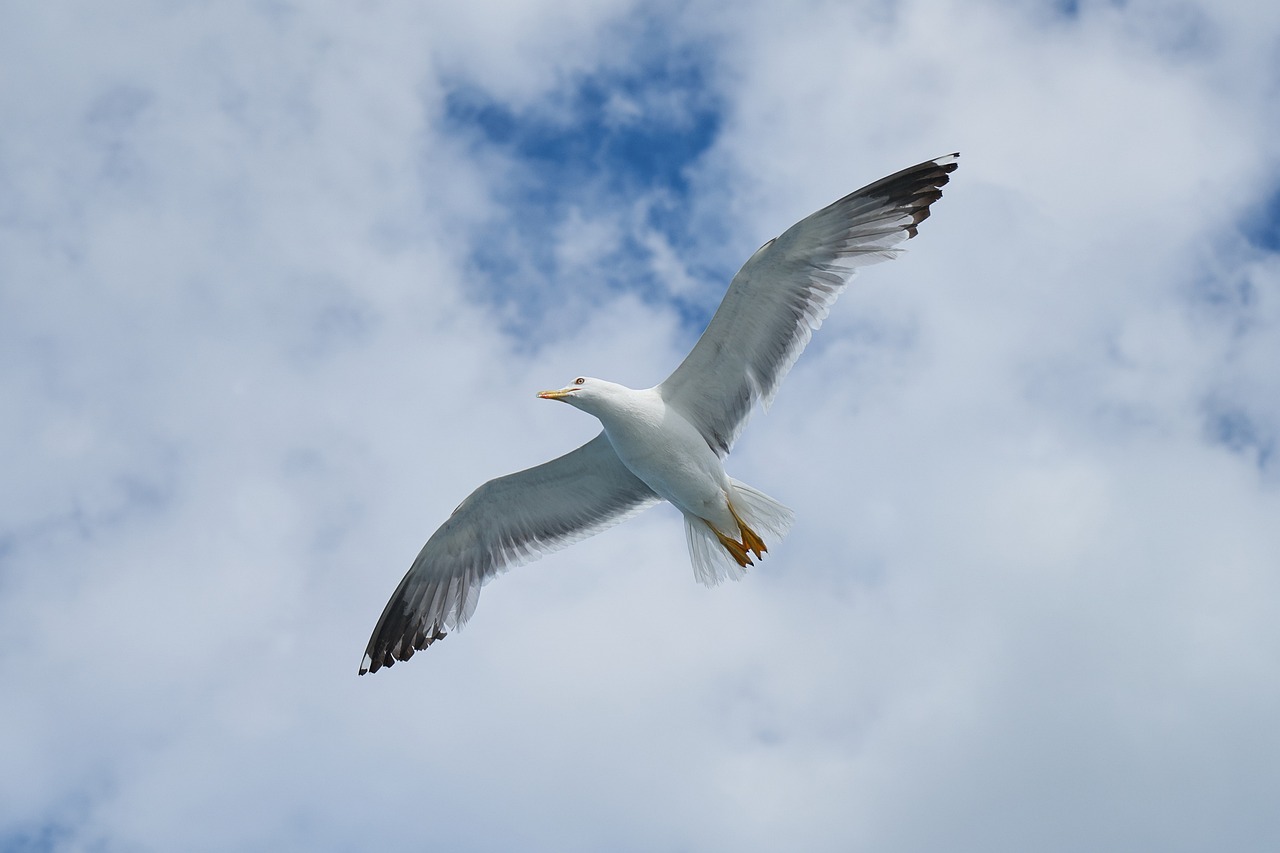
point(579, 381)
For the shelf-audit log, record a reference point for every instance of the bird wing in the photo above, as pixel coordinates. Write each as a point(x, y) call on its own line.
point(783, 293)
point(507, 521)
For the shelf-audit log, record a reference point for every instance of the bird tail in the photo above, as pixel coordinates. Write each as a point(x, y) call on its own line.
point(716, 557)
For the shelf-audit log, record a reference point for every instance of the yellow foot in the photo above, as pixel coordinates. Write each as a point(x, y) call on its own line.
point(751, 541)
point(736, 549)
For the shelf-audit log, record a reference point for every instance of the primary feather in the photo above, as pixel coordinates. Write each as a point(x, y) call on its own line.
point(507, 521)
point(783, 293)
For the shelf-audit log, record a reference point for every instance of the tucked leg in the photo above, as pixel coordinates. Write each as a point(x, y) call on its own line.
point(751, 541)
point(736, 549)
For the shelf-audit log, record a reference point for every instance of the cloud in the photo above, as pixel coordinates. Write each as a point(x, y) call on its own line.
point(277, 286)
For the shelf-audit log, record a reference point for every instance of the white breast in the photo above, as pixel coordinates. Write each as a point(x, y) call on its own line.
point(667, 453)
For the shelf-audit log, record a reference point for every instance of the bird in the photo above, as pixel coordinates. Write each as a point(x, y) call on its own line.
point(668, 442)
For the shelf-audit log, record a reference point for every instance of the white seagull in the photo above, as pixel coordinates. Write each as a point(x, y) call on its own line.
point(667, 442)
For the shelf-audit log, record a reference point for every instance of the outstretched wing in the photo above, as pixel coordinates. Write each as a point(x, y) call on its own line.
point(505, 522)
point(783, 293)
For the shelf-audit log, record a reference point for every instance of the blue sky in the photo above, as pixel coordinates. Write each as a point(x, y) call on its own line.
point(278, 284)
point(594, 145)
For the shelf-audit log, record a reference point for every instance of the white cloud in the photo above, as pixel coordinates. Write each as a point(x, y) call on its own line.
point(249, 365)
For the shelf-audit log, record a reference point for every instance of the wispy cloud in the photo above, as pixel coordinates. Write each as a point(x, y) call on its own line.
point(277, 285)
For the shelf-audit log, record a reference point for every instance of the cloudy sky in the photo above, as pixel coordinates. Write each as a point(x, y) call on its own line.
point(279, 281)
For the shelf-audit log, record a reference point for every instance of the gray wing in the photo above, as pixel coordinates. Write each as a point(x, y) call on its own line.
point(505, 522)
point(783, 293)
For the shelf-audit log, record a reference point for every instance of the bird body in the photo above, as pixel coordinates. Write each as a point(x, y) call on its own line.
point(668, 442)
point(658, 445)
point(666, 452)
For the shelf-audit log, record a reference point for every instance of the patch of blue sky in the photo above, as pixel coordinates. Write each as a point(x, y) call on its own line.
point(39, 839)
point(1262, 227)
point(1230, 297)
point(58, 829)
point(68, 822)
point(615, 145)
point(1228, 301)
point(1240, 432)
point(617, 129)
point(1225, 294)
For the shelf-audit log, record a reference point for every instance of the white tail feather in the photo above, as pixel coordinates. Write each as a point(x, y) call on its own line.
point(761, 513)
point(712, 563)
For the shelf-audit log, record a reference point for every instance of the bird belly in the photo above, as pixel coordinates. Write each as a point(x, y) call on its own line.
point(670, 456)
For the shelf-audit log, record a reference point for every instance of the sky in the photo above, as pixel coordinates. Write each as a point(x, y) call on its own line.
point(279, 282)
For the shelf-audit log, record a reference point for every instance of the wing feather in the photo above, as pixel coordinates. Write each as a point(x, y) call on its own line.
point(507, 521)
point(784, 292)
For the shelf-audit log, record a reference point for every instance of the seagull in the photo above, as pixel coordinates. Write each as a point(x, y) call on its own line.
point(667, 442)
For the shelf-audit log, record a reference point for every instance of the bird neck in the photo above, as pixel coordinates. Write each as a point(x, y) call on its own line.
point(619, 403)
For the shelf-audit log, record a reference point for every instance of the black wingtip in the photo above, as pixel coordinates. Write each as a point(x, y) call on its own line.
point(915, 188)
point(382, 653)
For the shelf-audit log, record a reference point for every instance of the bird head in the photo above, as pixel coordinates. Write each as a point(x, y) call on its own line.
point(571, 393)
point(590, 395)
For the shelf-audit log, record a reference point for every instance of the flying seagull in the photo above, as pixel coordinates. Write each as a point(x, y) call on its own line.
point(667, 442)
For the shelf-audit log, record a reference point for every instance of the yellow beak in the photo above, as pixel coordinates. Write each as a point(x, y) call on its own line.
point(555, 395)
